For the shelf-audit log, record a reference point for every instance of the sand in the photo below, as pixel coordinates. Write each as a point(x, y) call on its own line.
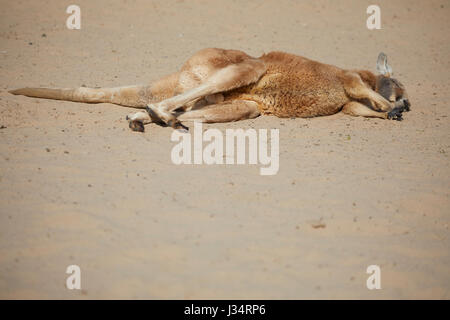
point(77, 187)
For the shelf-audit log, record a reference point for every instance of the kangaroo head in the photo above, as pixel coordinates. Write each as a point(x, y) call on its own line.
point(390, 88)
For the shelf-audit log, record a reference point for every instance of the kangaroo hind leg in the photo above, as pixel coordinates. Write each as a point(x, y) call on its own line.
point(223, 79)
point(228, 111)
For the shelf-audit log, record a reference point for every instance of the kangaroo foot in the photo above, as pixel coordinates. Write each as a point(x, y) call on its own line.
point(136, 125)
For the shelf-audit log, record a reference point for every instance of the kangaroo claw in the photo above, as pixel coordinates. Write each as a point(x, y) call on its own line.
point(395, 114)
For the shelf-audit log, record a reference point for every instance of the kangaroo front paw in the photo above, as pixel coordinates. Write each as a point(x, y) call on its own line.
point(407, 105)
point(395, 114)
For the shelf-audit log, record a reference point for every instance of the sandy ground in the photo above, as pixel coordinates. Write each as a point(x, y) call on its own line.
point(78, 187)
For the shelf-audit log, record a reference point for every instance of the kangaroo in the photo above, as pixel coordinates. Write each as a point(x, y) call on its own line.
point(218, 85)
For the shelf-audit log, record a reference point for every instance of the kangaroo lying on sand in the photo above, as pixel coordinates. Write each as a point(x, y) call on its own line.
point(217, 85)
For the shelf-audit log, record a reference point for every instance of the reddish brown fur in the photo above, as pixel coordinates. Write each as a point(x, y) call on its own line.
point(281, 84)
point(295, 86)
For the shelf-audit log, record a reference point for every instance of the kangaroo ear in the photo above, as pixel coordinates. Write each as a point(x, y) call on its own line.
point(382, 66)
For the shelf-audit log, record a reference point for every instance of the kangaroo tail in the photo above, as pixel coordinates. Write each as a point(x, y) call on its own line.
point(132, 96)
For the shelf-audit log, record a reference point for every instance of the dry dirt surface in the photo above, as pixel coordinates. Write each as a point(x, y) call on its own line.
point(77, 187)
